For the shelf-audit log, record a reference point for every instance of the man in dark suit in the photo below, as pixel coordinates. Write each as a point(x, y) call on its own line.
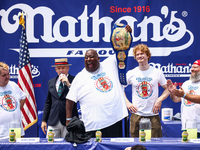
point(55, 105)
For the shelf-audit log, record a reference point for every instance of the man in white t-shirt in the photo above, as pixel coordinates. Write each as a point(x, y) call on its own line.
point(12, 100)
point(145, 81)
point(100, 94)
point(189, 92)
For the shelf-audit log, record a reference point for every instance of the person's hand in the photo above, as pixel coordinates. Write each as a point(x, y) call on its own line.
point(131, 108)
point(179, 92)
point(170, 86)
point(157, 107)
point(128, 28)
point(63, 78)
point(44, 126)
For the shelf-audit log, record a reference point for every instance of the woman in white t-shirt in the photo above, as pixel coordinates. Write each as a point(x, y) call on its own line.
point(12, 100)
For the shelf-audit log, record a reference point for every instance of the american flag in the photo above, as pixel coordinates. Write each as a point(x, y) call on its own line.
point(25, 82)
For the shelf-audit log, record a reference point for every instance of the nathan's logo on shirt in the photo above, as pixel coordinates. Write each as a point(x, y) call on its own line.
point(188, 103)
point(102, 83)
point(8, 103)
point(144, 88)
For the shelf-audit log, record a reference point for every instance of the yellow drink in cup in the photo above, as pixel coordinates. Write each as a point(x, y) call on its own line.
point(148, 134)
point(192, 133)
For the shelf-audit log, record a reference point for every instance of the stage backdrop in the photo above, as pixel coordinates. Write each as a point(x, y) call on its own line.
point(67, 28)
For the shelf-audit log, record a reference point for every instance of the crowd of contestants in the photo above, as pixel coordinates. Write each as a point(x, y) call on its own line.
point(101, 96)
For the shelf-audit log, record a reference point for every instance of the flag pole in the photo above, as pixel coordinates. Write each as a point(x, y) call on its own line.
point(25, 82)
point(21, 20)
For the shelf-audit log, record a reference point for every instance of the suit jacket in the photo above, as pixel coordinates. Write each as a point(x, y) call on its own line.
point(55, 106)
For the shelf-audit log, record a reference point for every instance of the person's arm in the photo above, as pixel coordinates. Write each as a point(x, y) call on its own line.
point(158, 103)
point(46, 112)
point(44, 126)
point(69, 107)
point(193, 98)
point(22, 103)
point(129, 105)
point(190, 97)
point(175, 98)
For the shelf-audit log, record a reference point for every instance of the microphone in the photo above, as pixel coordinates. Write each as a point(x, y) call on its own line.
point(65, 83)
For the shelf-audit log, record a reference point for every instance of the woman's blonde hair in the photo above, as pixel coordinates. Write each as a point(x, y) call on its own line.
point(3, 66)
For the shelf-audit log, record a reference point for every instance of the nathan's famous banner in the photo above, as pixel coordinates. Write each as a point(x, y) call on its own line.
point(65, 28)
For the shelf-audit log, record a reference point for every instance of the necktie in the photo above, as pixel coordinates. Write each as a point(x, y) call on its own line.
point(60, 88)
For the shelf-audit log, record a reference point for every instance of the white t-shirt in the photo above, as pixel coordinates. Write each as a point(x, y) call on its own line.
point(190, 110)
point(145, 88)
point(10, 97)
point(100, 94)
